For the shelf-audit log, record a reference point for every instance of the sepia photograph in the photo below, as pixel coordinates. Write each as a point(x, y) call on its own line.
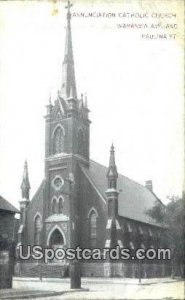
point(92, 193)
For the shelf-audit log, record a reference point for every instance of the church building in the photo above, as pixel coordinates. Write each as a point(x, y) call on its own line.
point(81, 202)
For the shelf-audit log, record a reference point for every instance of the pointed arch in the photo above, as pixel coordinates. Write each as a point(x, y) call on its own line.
point(56, 227)
point(54, 205)
point(92, 227)
point(37, 228)
point(60, 204)
point(37, 214)
point(58, 139)
point(92, 209)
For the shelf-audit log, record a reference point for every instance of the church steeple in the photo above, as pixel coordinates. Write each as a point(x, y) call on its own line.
point(68, 72)
point(113, 229)
point(67, 119)
point(112, 173)
point(25, 186)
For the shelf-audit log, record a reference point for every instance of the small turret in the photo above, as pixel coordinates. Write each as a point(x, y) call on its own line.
point(85, 103)
point(111, 192)
point(113, 229)
point(112, 173)
point(49, 106)
point(25, 186)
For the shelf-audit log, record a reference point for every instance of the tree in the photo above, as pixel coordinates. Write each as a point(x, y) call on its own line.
point(172, 217)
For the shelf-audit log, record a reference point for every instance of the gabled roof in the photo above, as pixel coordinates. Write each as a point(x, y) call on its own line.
point(134, 198)
point(39, 193)
point(5, 205)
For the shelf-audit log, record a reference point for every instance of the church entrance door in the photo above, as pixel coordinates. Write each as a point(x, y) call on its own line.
point(57, 242)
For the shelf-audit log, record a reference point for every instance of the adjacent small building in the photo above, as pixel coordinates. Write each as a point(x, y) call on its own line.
point(8, 235)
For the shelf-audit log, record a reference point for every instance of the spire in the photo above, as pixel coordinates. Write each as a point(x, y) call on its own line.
point(68, 72)
point(112, 173)
point(25, 186)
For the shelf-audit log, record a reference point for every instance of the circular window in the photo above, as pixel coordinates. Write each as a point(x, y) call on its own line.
point(57, 182)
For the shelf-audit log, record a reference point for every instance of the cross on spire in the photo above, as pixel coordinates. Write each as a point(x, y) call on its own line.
point(68, 6)
point(68, 75)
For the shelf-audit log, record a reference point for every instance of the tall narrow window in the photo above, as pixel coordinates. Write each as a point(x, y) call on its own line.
point(80, 142)
point(37, 229)
point(93, 229)
point(60, 205)
point(58, 141)
point(54, 206)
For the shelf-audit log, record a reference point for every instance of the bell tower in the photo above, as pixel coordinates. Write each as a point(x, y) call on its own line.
point(67, 121)
point(67, 127)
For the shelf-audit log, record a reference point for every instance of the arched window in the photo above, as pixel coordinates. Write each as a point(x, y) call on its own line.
point(60, 205)
point(54, 206)
point(93, 229)
point(58, 141)
point(80, 142)
point(58, 115)
point(37, 229)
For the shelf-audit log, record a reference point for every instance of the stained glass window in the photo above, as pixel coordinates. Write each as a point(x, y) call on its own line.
point(38, 224)
point(93, 229)
point(54, 206)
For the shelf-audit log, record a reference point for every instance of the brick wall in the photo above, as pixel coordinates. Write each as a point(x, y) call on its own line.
point(90, 199)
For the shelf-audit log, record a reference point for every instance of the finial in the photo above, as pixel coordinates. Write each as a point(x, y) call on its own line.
point(112, 147)
point(82, 99)
point(25, 173)
point(71, 96)
point(85, 100)
point(25, 186)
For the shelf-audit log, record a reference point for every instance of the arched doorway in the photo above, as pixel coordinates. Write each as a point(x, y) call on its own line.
point(56, 240)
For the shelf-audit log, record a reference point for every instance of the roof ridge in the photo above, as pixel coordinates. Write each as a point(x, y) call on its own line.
point(124, 176)
point(92, 182)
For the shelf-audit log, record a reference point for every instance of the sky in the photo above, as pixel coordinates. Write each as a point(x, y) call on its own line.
point(134, 87)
